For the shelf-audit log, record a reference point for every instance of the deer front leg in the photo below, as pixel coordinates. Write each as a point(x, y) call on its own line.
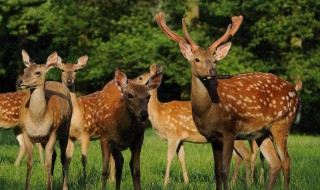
point(84, 150)
point(112, 169)
point(135, 161)
point(244, 153)
point(172, 148)
point(22, 149)
point(217, 154)
point(118, 161)
point(40, 153)
point(181, 156)
point(105, 149)
point(227, 144)
point(49, 159)
point(64, 161)
point(29, 149)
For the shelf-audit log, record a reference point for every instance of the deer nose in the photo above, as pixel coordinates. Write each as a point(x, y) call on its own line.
point(144, 115)
point(213, 72)
point(19, 82)
point(69, 81)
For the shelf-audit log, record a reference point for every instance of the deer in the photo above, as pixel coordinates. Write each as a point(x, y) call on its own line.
point(172, 121)
point(45, 115)
point(256, 106)
point(122, 111)
point(9, 119)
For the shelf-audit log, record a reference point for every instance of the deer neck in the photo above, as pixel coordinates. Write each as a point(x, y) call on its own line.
point(203, 95)
point(153, 102)
point(38, 103)
point(73, 95)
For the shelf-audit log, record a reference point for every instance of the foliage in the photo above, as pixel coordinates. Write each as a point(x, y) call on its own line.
point(280, 37)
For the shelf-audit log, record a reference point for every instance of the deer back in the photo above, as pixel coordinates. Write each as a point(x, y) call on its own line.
point(9, 108)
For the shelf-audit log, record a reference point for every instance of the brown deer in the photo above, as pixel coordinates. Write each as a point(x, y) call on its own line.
point(45, 116)
point(84, 116)
point(9, 119)
point(122, 110)
point(258, 106)
point(172, 121)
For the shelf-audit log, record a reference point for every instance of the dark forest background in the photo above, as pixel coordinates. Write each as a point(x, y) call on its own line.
point(280, 37)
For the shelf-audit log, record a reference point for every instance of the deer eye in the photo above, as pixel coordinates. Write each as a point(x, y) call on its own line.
point(148, 97)
point(197, 60)
point(130, 95)
point(38, 73)
point(75, 70)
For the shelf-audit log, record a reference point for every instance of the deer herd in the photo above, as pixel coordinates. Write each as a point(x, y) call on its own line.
point(223, 111)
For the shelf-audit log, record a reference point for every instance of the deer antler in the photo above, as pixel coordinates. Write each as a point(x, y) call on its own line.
point(166, 30)
point(231, 31)
point(194, 46)
point(174, 36)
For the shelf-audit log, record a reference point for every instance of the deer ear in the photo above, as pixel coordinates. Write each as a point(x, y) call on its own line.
point(82, 61)
point(185, 49)
point(52, 60)
point(26, 59)
point(153, 69)
point(223, 50)
point(59, 63)
point(155, 81)
point(121, 79)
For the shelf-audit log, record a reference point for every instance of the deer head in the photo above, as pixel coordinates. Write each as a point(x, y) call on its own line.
point(69, 71)
point(203, 62)
point(35, 74)
point(136, 96)
point(143, 79)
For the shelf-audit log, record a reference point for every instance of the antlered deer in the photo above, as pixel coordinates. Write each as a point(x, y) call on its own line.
point(122, 111)
point(172, 121)
point(9, 119)
point(257, 106)
point(45, 115)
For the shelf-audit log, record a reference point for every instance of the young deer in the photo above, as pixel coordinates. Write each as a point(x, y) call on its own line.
point(45, 115)
point(122, 110)
point(257, 106)
point(83, 123)
point(9, 119)
point(172, 121)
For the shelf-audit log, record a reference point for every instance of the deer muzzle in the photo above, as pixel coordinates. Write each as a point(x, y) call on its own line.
point(144, 115)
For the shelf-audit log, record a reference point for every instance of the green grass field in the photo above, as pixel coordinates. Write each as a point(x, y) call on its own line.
point(304, 152)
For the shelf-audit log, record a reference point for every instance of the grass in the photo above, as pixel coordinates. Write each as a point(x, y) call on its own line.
point(304, 152)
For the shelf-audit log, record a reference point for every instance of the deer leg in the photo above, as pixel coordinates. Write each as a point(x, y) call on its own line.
point(29, 149)
point(261, 178)
point(105, 149)
point(49, 159)
point(135, 160)
point(112, 169)
point(40, 153)
point(65, 164)
point(244, 153)
point(172, 148)
point(22, 148)
point(118, 161)
point(270, 154)
point(238, 159)
point(181, 156)
point(254, 154)
point(217, 153)
point(228, 144)
point(280, 136)
point(84, 150)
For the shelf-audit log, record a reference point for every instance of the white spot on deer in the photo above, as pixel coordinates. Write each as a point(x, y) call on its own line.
point(239, 102)
point(287, 98)
point(279, 113)
point(292, 94)
point(226, 108)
